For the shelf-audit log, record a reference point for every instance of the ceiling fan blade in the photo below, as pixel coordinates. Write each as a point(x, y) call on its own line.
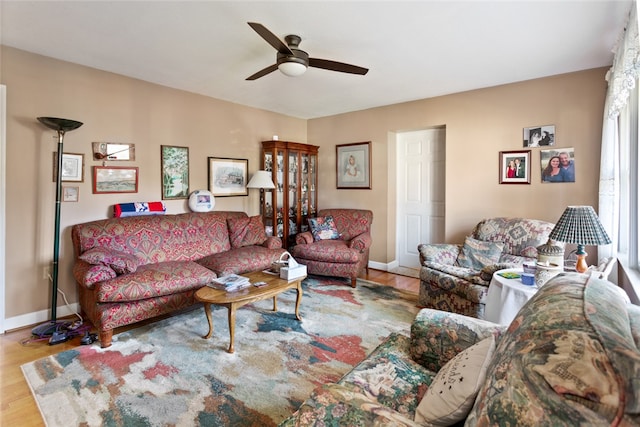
point(337, 66)
point(264, 72)
point(271, 38)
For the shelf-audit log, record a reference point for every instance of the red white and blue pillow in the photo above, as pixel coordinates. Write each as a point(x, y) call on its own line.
point(323, 228)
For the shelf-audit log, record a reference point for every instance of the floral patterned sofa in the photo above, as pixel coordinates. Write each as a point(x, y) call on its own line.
point(456, 277)
point(347, 254)
point(134, 268)
point(570, 357)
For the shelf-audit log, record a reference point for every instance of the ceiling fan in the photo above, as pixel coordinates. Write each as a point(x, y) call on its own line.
point(292, 61)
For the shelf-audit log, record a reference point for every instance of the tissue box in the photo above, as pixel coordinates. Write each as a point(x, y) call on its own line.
point(290, 273)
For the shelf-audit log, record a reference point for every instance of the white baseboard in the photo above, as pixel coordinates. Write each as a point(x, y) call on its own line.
point(38, 317)
point(382, 266)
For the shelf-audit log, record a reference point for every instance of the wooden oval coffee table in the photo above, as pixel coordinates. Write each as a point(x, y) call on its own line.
point(233, 300)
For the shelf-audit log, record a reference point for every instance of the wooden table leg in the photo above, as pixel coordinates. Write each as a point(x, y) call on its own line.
point(275, 304)
point(232, 326)
point(298, 299)
point(207, 311)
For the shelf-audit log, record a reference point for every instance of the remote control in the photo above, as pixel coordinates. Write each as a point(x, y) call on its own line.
point(260, 284)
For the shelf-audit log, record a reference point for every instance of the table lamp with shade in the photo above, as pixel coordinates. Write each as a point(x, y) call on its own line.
point(580, 226)
point(262, 180)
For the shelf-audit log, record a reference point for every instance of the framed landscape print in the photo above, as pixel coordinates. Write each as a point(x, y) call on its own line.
point(515, 167)
point(353, 166)
point(72, 167)
point(175, 172)
point(228, 177)
point(115, 179)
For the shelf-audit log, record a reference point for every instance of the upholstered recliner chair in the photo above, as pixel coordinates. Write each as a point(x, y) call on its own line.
point(341, 250)
point(456, 277)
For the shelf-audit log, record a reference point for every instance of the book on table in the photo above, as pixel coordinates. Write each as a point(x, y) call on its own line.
point(230, 282)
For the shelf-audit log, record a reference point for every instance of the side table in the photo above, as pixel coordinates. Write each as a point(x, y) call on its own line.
point(506, 297)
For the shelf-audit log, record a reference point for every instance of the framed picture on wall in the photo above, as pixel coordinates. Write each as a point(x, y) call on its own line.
point(515, 167)
point(70, 193)
point(175, 172)
point(557, 165)
point(539, 136)
point(72, 167)
point(115, 179)
point(228, 177)
point(353, 166)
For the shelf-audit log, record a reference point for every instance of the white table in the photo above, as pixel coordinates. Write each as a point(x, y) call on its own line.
point(506, 297)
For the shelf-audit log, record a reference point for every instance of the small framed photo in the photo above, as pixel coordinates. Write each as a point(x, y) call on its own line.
point(558, 165)
point(539, 136)
point(70, 193)
point(175, 172)
point(515, 167)
point(72, 167)
point(228, 177)
point(353, 166)
point(115, 179)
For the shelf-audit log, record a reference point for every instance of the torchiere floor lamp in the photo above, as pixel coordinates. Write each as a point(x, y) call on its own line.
point(61, 126)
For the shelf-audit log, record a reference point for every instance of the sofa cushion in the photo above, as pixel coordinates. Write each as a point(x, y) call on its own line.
point(323, 228)
point(455, 386)
point(120, 262)
point(332, 251)
point(246, 231)
point(154, 280)
point(477, 254)
point(241, 260)
point(98, 273)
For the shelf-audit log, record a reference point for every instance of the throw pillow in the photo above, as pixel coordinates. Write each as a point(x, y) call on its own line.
point(246, 231)
point(323, 228)
point(120, 262)
point(477, 254)
point(455, 387)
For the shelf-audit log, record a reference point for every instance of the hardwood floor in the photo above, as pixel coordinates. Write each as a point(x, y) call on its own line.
point(17, 406)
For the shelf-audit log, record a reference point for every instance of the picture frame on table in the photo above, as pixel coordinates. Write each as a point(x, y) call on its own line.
point(115, 179)
point(515, 167)
point(175, 172)
point(70, 193)
point(72, 167)
point(353, 166)
point(228, 177)
point(566, 170)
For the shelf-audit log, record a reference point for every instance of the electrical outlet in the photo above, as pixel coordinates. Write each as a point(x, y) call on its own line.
point(46, 272)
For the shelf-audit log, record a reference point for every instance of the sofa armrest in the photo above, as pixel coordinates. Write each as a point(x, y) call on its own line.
point(304, 238)
point(441, 253)
point(273, 242)
point(361, 242)
point(88, 275)
point(437, 336)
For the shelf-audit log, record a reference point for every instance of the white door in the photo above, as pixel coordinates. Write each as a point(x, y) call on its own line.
point(421, 184)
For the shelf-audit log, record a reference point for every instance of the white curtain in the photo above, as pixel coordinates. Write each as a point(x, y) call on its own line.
point(622, 79)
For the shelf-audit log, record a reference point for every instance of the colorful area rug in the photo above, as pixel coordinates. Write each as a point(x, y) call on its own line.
point(165, 373)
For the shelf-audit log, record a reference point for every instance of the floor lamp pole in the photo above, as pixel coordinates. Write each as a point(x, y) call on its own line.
point(61, 126)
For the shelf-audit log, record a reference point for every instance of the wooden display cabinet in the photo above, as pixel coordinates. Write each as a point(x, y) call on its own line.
point(294, 170)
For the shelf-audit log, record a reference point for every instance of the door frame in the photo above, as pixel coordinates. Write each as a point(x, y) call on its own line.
point(3, 210)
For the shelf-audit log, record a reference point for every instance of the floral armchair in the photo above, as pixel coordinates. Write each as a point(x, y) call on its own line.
point(456, 277)
point(344, 253)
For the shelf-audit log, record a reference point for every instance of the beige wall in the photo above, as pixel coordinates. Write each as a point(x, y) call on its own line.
point(114, 108)
point(479, 124)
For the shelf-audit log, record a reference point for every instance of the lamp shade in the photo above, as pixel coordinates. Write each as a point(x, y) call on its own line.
point(261, 179)
point(292, 69)
point(581, 226)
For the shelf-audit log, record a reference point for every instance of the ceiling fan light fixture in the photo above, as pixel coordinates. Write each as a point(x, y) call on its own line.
point(292, 69)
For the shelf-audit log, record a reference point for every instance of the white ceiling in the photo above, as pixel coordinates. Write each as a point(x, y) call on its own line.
point(414, 49)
